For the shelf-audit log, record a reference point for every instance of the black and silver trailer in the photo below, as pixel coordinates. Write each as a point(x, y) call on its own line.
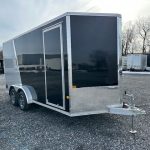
point(71, 64)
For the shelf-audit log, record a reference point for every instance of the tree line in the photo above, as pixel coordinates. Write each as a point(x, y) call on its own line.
point(136, 36)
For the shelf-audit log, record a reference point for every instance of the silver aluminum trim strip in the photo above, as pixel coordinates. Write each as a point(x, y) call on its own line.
point(119, 37)
point(119, 52)
point(63, 90)
point(54, 105)
point(44, 67)
point(93, 14)
point(15, 52)
point(68, 30)
point(62, 66)
point(119, 43)
point(50, 27)
point(53, 108)
point(87, 113)
point(17, 64)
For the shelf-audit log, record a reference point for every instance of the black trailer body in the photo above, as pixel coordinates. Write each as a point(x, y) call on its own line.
point(70, 64)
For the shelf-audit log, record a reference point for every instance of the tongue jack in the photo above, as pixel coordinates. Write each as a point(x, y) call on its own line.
point(132, 105)
point(133, 131)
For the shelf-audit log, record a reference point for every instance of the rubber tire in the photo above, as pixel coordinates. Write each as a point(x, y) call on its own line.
point(22, 101)
point(14, 101)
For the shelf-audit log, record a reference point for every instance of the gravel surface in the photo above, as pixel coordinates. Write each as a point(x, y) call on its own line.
point(43, 129)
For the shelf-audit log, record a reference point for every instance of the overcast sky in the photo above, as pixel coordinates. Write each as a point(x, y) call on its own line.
point(17, 16)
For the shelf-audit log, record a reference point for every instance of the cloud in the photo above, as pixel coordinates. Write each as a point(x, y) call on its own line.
point(17, 16)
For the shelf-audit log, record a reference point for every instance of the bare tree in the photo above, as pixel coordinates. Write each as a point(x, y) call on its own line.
point(128, 36)
point(143, 29)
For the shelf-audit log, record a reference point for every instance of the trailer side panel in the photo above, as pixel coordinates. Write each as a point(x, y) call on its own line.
point(32, 61)
point(94, 51)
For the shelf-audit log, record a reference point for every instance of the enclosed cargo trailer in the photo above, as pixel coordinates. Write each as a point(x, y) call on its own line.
point(71, 64)
point(136, 62)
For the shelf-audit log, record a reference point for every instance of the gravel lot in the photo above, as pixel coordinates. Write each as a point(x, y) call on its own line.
point(43, 129)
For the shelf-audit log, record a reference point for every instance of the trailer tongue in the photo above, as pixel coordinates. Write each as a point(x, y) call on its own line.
point(128, 110)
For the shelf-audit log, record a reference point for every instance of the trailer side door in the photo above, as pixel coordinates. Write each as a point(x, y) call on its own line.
point(54, 66)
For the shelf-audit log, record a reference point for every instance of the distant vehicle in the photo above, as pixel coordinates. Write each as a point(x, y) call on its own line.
point(136, 62)
point(67, 65)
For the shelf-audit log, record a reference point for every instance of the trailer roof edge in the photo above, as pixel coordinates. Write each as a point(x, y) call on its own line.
point(93, 14)
point(63, 15)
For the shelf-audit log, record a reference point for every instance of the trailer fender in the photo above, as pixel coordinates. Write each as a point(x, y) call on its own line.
point(28, 90)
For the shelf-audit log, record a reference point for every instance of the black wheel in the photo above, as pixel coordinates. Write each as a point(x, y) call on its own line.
point(22, 101)
point(13, 97)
